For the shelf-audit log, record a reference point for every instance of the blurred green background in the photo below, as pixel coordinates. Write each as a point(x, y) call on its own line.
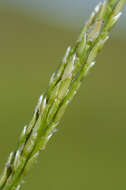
point(88, 152)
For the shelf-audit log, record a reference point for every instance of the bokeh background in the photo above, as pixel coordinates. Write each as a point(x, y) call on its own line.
point(89, 150)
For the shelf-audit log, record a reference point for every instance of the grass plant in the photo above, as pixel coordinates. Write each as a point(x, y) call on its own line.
point(62, 87)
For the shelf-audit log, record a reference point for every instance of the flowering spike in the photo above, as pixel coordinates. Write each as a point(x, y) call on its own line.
point(63, 86)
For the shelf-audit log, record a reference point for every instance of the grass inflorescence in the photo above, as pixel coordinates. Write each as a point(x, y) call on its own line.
point(62, 87)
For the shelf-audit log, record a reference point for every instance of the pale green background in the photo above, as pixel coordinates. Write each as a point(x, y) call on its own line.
point(89, 150)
